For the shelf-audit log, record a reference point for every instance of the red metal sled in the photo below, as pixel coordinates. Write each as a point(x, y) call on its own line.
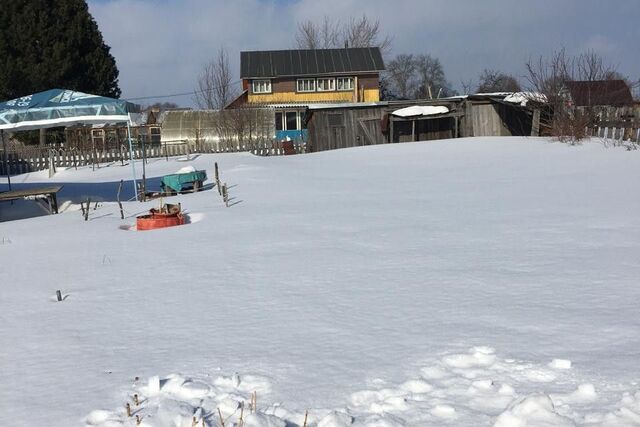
point(167, 216)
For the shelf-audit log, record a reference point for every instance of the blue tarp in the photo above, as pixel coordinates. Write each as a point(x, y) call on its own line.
point(60, 107)
point(179, 181)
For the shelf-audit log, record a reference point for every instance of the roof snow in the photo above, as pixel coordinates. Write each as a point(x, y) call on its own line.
point(523, 97)
point(421, 110)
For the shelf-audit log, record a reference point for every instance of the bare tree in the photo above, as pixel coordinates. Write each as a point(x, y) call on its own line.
point(549, 76)
point(495, 81)
point(431, 80)
point(307, 36)
point(362, 32)
point(325, 35)
point(357, 32)
point(401, 75)
point(590, 66)
point(467, 86)
point(215, 83)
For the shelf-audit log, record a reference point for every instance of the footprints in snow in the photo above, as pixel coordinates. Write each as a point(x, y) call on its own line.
point(473, 388)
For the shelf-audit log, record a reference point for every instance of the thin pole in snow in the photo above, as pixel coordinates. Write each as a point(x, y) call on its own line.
point(144, 170)
point(133, 166)
point(6, 162)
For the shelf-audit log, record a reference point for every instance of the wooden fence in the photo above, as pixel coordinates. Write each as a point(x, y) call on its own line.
point(29, 159)
point(617, 131)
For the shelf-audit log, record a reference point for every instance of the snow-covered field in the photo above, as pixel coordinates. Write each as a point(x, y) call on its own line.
point(460, 282)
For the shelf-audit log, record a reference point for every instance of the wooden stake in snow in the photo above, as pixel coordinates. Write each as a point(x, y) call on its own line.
point(59, 295)
point(138, 420)
point(218, 179)
point(135, 399)
point(241, 421)
point(306, 413)
point(86, 211)
point(225, 195)
point(128, 409)
point(52, 164)
point(119, 202)
point(221, 419)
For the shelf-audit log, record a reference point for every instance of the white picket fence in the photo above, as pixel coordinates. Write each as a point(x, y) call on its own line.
point(619, 132)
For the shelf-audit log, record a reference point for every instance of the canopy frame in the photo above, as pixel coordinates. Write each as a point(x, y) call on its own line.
point(60, 107)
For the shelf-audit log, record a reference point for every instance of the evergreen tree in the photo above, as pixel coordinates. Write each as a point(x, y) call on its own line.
point(46, 44)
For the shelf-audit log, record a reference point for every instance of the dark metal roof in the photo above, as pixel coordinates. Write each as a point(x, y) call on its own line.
point(277, 63)
point(600, 92)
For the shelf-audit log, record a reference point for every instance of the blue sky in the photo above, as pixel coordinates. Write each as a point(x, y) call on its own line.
point(160, 46)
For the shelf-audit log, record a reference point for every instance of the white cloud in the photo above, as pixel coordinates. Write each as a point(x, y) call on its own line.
point(160, 46)
point(600, 44)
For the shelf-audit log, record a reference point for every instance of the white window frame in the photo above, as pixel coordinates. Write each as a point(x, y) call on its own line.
point(340, 82)
point(261, 86)
point(284, 118)
point(300, 83)
point(330, 81)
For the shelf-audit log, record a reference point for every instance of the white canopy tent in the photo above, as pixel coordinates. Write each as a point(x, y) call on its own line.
point(60, 107)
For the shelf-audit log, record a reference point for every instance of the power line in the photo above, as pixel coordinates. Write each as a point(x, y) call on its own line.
point(173, 95)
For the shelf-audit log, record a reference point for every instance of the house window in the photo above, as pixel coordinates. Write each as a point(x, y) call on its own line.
point(291, 120)
point(155, 134)
point(326, 85)
point(344, 83)
point(306, 85)
point(279, 121)
point(261, 86)
point(98, 136)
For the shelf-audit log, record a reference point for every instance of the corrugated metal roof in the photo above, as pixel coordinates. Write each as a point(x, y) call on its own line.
point(276, 63)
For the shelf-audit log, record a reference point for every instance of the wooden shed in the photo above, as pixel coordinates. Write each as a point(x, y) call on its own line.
point(335, 126)
point(332, 126)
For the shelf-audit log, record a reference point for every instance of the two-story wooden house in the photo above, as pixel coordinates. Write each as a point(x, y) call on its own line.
point(290, 80)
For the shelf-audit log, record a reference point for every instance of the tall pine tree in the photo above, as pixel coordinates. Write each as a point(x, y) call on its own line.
point(47, 44)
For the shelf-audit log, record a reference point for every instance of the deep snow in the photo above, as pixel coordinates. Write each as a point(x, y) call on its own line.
point(470, 281)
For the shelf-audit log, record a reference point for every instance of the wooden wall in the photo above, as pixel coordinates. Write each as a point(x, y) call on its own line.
point(342, 128)
point(425, 129)
point(493, 119)
point(283, 90)
point(334, 128)
point(486, 121)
